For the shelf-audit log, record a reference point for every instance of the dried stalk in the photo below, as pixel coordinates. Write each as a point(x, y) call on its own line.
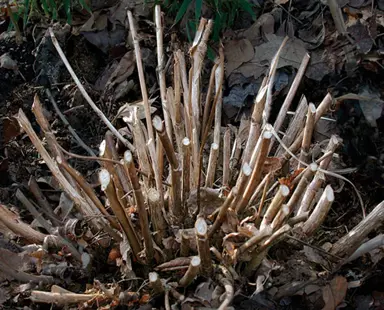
point(307, 136)
point(311, 192)
point(275, 205)
point(119, 176)
point(219, 76)
point(79, 141)
point(155, 282)
point(140, 144)
point(291, 94)
point(18, 227)
point(157, 218)
point(207, 106)
point(85, 94)
point(83, 207)
point(151, 136)
point(368, 246)
point(185, 244)
point(256, 172)
point(346, 245)
point(294, 127)
point(160, 70)
point(226, 159)
point(186, 97)
point(31, 208)
point(320, 212)
point(262, 250)
point(201, 230)
point(319, 179)
point(320, 111)
point(192, 271)
point(179, 125)
point(10, 272)
point(87, 188)
point(186, 169)
point(271, 81)
point(42, 200)
point(60, 298)
point(223, 212)
point(125, 222)
point(296, 196)
point(253, 242)
point(139, 198)
point(197, 52)
point(175, 168)
point(211, 168)
point(246, 172)
point(256, 121)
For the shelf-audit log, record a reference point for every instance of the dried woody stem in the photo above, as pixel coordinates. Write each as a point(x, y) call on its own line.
point(226, 159)
point(178, 124)
point(147, 110)
point(17, 226)
point(201, 230)
point(256, 121)
point(87, 188)
point(42, 200)
point(308, 131)
point(160, 70)
point(291, 94)
point(157, 218)
point(85, 94)
point(186, 169)
point(83, 207)
point(155, 282)
point(296, 196)
point(125, 222)
point(319, 178)
point(175, 167)
point(211, 168)
point(274, 207)
point(355, 237)
point(79, 141)
point(320, 212)
point(223, 212)
point(143, 216)
point(192, 271)
point(257, 171)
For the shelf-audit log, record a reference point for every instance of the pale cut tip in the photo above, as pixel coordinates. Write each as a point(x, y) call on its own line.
point(186, 141)
point(128, 156)
point(195, 261)
point(313, 167)
point(312, 108)
point(247, 170)
point(284, 190)
point(214, 146)
point(201, 226)
point(153, 277)
point(102, 148)
point(157, 123)
point(104, 178)
point(329, 193)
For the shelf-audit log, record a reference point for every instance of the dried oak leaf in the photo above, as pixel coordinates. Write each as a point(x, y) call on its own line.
point(334, 292)
point(236, 53)
point(291, 55)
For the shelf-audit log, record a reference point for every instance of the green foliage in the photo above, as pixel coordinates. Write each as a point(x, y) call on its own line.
point(225, 13)
point(53, 9)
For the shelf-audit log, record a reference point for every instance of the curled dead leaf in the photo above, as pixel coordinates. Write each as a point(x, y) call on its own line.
point(334, 293)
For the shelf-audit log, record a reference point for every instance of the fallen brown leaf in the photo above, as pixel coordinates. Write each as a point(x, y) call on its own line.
point(334, 293)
